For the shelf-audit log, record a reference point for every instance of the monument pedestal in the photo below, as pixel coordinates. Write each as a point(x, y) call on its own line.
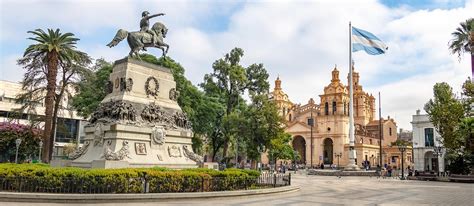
point(351, 166)
point(109, 164)
point(139, 123)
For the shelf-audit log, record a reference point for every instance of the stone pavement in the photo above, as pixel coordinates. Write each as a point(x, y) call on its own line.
point(330, 190)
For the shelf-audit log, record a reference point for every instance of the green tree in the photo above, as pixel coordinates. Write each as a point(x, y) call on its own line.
point(265, 131)
point(207, 123)
point(263, 124)
point(280, 149)
point(92, 88)
point(445, 112)
point(448, 115)
point(228, 81)
point(463, 41)
point(51, 50)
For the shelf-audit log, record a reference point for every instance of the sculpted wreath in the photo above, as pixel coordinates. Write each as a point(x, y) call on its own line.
point(151, 90)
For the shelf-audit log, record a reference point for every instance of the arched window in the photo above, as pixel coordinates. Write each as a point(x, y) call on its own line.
point(326, 108)
point(390, 131)
point(334, 107)
point(289, 118)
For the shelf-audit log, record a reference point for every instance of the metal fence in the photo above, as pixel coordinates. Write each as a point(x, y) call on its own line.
point(140, 185)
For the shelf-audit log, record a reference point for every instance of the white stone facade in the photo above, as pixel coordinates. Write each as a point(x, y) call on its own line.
point(71, 132)
point(424, 156)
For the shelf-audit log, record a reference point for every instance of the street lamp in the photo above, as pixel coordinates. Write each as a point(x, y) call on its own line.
point(40, 149)
point(338, 156)
point(402, 149)
point(17, 142)
point(438, 151)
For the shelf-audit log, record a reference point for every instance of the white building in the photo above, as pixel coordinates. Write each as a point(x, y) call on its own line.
point(425, 138)
point(70, 125)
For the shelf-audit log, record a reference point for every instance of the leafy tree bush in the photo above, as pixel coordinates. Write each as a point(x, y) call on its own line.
point(452, 118)
point(128, 180)
point(29, 146)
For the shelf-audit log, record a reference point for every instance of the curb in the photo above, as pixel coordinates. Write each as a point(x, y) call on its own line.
point(135, 197)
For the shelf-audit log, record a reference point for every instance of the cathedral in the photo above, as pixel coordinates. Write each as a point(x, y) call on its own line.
point(320, 130)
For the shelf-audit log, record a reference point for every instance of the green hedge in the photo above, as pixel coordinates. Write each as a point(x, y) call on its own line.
point(40, 177)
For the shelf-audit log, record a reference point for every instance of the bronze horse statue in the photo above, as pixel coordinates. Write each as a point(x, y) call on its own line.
point(138, 40)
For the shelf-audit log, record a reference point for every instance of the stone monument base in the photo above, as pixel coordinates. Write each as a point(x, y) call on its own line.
point(351, 167)
point(124, 146)
point(109, 164)
point(139, 123)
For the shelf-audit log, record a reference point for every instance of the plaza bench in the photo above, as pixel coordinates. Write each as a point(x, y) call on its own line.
point(462, 178)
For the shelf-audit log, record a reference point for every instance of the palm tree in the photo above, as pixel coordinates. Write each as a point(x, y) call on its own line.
point(51, 50)
point(463, 41)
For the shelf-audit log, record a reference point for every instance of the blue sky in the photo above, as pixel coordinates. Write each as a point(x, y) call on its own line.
point(424, 4)
point(300, 41)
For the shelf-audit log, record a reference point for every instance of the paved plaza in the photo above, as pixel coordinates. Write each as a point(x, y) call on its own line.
point(328, 190)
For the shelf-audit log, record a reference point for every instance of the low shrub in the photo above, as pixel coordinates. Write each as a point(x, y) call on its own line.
point(42, 178)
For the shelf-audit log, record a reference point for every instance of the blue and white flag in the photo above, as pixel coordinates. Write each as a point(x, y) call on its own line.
point(364, 40)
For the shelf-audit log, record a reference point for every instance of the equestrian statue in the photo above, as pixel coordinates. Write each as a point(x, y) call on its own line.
point(139, 40)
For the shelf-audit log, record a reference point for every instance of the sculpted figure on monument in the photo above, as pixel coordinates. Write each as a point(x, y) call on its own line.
point(174, 94)
point(152, 113)
point(113, 111)
point(146, 37)
point(119, 155)
point(122, 84)
point(79, 151)
point(110, 87)
point(129, 85)
point(181, 120)
point(191, 155)
point(145, 23)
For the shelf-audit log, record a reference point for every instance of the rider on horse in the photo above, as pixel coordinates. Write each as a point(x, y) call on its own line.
point(145, 24)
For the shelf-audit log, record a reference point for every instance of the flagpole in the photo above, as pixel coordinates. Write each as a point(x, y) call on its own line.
point(352, 153)
point(380, 132)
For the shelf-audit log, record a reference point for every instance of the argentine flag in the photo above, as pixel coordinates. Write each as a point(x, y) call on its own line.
point(364, 40)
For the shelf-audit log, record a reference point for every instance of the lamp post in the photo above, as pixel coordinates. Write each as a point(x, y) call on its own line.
point(438, 151)
point(40, 149)
point(338, 156)
point(17, 142)
point(402, 149)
